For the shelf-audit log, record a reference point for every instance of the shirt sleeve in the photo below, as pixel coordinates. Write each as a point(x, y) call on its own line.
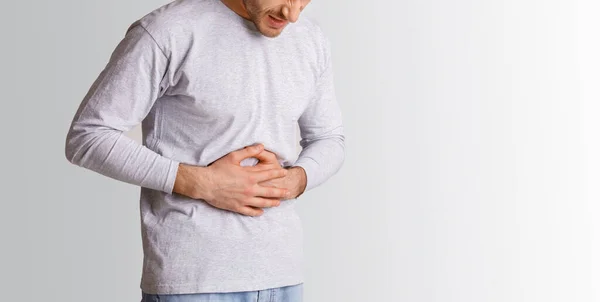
point(118, 100)
point(321, 130)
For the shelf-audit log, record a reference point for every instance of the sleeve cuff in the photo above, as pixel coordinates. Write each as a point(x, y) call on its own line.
point(171, 176)
point(310, 167)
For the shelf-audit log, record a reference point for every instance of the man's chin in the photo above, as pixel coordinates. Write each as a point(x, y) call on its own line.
point(270, 32)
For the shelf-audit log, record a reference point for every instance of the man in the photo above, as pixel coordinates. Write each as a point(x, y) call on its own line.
point(219, 87)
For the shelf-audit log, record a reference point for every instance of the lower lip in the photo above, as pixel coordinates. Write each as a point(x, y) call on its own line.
point(276, 23)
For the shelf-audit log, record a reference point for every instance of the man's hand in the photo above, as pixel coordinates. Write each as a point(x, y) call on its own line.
point(294, 181)
point(227, 185)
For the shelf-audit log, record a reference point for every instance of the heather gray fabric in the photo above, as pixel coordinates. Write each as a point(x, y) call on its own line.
point(204, 82)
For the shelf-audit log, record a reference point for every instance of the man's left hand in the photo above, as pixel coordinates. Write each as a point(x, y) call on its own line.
point(294, 181)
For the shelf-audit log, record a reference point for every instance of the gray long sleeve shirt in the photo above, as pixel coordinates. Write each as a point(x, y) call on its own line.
point(203, 82)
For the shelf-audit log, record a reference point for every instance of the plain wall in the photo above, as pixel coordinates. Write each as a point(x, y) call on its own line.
point(472, 171)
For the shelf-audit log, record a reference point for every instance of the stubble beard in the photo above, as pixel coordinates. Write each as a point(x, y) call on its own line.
point(257, 16)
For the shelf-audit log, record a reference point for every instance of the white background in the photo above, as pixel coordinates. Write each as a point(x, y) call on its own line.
point(472, 170)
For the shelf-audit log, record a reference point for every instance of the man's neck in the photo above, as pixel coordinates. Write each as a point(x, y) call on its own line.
point(238, 7)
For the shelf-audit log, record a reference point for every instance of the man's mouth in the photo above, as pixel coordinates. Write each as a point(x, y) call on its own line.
point(276, 22)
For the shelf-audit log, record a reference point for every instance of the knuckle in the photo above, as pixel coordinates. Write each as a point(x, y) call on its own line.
point(248, 190)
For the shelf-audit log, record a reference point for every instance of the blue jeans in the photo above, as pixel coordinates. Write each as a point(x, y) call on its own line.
point(292, 293)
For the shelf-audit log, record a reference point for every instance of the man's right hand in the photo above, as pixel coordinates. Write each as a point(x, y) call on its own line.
point(227, 185)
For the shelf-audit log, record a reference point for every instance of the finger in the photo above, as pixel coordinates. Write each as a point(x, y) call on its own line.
point(259, 202)
point(268, 183)
point(268, 175)
point(248, 151)
point(267, 157)
point(250, 211)
point(260, 166)
point(270, 192)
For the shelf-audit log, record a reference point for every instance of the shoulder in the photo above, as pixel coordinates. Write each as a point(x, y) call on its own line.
point(174, 14)
point(175, 20)
point(311, 28)
point(308, 30)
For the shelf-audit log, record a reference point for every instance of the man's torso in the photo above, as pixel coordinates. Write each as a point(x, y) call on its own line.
point(226, 87)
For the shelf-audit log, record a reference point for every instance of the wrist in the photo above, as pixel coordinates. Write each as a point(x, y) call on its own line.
point(299, 177)
point(182, 180)
point(191, 181)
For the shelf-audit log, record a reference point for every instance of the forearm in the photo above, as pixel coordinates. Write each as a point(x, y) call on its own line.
point(322, 158)
point(113, 154)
